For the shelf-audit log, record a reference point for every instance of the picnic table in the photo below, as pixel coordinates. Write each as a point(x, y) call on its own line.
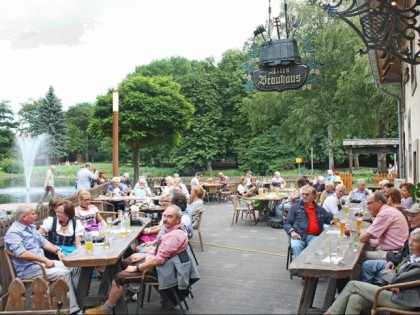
point(110, 258)
point(315, 262)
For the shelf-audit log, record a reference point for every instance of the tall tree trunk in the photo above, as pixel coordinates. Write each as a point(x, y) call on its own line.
point(136, 161)
point(356, 161)
point(209, 169)
point(330, 147)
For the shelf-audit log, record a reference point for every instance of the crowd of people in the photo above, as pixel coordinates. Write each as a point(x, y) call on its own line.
point(392, 250)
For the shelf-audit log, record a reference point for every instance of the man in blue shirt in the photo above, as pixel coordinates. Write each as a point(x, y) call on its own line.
point(85, 176)
point(24, 241)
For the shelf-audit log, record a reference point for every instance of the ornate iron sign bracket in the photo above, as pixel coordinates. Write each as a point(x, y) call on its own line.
point(384, 26)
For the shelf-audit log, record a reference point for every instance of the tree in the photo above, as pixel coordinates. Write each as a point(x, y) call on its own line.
point(152, 113)
point(49, 120)
point(6, 126)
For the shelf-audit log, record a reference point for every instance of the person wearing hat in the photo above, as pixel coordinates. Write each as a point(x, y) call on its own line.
point(195, 181)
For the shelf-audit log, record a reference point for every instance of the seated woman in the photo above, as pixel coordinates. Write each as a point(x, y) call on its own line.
point(101, 178)
point(141, 190)
point(196, 203)
point(252, 190)
point(62, 229)
point(357, 295)
point(277, 180)
point(148, 235)
point(88, 214)
point(243, 191)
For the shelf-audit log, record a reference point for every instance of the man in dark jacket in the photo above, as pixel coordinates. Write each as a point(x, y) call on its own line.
point(305, 221)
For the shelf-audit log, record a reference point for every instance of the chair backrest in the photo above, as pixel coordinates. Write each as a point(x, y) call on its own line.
point(8, 255)
point(103, 205)
point(212, 190)
point(197, 217)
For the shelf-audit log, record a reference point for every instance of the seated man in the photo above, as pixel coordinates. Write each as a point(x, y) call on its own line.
point(328, 191)
point(305, 221)
point(125, 180)
point(389, 229)
point(357, 295)
point(116, 189)
point(141, 190)
point(171, 243)
point(25, 242)
point(372, 269)
point(224, 184)
point(359, 194)
point(333, 203)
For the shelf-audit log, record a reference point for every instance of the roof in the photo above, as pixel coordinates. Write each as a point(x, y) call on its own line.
point(370, 142)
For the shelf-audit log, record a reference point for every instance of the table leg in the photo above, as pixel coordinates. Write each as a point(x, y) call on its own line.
point(83, 285)
point(329, 295)
point(308, 294)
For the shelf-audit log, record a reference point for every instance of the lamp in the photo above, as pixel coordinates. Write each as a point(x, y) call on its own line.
point(385, 27)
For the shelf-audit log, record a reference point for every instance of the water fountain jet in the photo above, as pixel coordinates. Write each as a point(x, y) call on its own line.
point(28, 148)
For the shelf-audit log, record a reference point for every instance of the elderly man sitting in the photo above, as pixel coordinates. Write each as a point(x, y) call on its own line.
point(25, 242)
point(305, 221)
point(359, 194)
point(171, 243)
point(358, 295)
point(389, 229)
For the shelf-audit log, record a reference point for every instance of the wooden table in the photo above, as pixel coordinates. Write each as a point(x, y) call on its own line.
point(110, 258)
point(125, 198)
point(266, 198)
point(313, 263)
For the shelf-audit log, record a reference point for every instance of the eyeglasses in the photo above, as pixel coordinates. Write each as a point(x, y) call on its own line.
point(59, 212)
point(85, 200)
point(305, 195)
point(370, 202)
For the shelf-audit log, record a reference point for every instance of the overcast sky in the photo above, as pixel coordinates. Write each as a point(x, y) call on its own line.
point(84, 47)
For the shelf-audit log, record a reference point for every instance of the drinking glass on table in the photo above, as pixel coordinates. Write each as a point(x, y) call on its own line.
point(334, 251)
point(342, 227)
point(88, 243)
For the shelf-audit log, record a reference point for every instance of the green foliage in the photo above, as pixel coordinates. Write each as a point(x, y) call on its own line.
point(6, 128)
point(49, 119)
point(11, 166)
point(152, 113)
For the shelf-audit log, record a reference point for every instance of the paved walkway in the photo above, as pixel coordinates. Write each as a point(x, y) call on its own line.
point(242, 269)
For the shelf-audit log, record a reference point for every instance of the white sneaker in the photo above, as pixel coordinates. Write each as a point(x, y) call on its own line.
point(134, 297)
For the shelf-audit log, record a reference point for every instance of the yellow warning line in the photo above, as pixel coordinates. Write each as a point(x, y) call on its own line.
point(242, 249)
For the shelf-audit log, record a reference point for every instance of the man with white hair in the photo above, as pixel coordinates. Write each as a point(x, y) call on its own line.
point(125, 180)
point(330, 176)
point(333, 203)
point(25, 242)
point(359, 194)
point(116, 189)
point(141, 190)
point(328, 191)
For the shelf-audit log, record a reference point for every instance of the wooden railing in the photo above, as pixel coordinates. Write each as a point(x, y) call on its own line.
point(379, 177)
point(42, 213)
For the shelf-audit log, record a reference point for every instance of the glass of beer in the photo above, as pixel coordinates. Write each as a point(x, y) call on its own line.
point(88, 243)
point(334, 220)
point(346, 210)
point(123, 229)
point(342, 227)
point(106, 241)
point(359, 222)
point(277, 191)
point(260, 192)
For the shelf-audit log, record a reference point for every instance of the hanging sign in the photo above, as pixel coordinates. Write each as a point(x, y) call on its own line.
point(280, 78)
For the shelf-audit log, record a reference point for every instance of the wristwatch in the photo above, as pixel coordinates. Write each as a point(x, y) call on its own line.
point(58, 250)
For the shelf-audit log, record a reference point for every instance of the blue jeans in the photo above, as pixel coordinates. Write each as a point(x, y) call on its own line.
point(282, 206)
point(299, 245)
point(372, 271)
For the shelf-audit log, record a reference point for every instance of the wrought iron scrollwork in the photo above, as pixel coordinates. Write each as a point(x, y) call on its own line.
point(383, 25)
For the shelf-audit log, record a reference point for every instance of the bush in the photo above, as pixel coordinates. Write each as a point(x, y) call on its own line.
point(12, 166)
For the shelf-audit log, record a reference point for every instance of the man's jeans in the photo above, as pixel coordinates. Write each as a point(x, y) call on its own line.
point(299, 245)
point(372, 271)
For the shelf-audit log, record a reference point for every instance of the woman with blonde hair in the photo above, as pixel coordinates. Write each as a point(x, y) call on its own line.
point(88, 214)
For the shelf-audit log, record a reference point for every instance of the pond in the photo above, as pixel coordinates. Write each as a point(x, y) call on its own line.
point(13, 189)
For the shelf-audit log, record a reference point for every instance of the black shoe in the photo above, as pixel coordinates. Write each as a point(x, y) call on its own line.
point(129, 295)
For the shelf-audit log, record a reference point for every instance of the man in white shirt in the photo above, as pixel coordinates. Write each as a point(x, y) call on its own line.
point(85, 176)
point(333, 202)
point(195, 181)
